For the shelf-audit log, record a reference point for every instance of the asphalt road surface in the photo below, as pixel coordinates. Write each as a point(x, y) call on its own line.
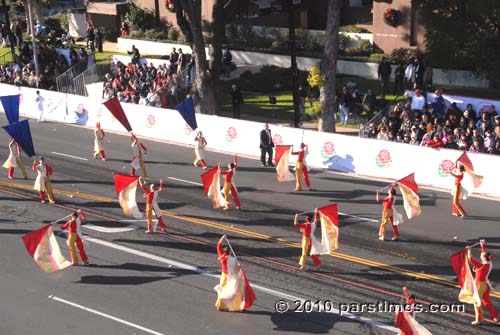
point(163, 284)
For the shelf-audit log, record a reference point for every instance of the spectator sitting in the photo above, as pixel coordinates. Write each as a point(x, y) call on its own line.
point(476, 146)
point(450, 143)
point(372, 131)
point(435, 142)
point(414, 139)
point(382, 135)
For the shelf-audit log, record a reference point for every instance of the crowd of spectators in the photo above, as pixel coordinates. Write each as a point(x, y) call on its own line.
point(21, 71)
point(433, 124)
point(146, 84)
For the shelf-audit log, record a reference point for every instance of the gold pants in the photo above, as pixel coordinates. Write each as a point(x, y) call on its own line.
point(149, 217)
point(71, 242)
point(48, 188)
point(386, 215)
point(223, 280)
point(21, 167)
point(143, 167)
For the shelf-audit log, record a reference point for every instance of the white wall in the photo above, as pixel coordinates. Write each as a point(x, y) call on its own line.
point(77, 25)
point(329, 151)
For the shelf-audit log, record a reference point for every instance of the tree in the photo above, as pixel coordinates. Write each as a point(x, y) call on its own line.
point(328, 68)
point(463, 34)
point(188, 15)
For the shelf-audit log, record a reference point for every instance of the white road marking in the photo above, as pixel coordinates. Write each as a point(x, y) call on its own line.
point(110, 230)
point(70, 156)
point(358, 217)
point(107, 316)
point(263, 289)
point(185, 181)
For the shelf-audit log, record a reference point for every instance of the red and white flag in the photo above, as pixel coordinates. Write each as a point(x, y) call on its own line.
point(471, 180)
point(329, 219)
point(236, 295)
point(408, 325)
point(125, 187)
point(281, 160)
point(211, 186)
point(468, 290)
point(409, 191)
point(43, 247)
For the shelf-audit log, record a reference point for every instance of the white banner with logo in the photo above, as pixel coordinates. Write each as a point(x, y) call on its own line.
point(336, 152)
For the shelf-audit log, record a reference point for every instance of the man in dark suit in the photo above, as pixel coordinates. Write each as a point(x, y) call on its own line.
point(266, 146)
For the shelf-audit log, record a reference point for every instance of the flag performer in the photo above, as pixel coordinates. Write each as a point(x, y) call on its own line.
point(71, 227)
point(483, 285)
point(300, 168)
point(305, 228)
point(79, 241)
point(98, 142)
point(456, 207)
point(152, 206)
point(405, 317)
point(14, 160)
point(138, 150)
point(199, 150)
point(387, 213)
point(223, 256)
point(42, 182)
point(229, 187)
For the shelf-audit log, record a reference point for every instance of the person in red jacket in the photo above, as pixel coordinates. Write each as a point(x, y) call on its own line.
point(98, 142)
point(229, 186)
point(456, 207)
point(301, 169)
point(42, 181)
point(152, 206)
point(435, 142)
point(387, 214)
point(14, 160)
point(71, 227)
point(483, 285)
point(306, 228)
point(223, 254)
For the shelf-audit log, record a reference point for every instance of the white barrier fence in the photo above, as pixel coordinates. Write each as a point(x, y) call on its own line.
point(336, 152)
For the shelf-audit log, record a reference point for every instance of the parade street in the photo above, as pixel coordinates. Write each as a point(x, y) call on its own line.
point(163, 283)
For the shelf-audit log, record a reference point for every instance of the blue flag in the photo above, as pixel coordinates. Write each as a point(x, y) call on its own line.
point(21, 133)
point(10, 105)
point(186, 108)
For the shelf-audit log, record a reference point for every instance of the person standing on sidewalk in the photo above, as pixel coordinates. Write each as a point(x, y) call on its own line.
point(266, 146)
point(99, 38)
point(237, 99)
point(39, 101)
point(384, 74)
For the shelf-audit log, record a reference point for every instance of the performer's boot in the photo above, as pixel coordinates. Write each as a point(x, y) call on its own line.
point(203, 164)
point(11, 173)
point(42, 197)
point(103, 155)
point(161, 224)
point(132, 172)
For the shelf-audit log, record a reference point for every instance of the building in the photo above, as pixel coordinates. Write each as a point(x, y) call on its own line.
point(309, 14)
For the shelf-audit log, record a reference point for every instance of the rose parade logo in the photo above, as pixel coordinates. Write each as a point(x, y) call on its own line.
point(150, 121)
point(445, 168)
point(231, 134)
point(383, 159)
point(277, 140)
point(188, 130)
point(328, 150)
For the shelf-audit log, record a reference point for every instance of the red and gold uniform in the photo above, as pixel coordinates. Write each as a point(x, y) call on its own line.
point(229, 186)
point(98, 142)
point(387, 215)
point(138, 151)
point(199, 150)
point(42, 181)
point(483, 284)
point(71, 227)
point(79, 241)
point(306, 228)
point(456, 207)
point(152, 206)
point(223, 258)
point(301, 169)
point(14, 160)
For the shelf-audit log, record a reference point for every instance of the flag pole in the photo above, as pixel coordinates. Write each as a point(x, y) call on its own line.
point(303, 130)
point(67, 216)
point(306, 212)
point(474, 245)
point(230, 247)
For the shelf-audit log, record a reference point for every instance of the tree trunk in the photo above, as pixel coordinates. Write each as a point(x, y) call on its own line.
point(218, 32)
point(37, 10)
point(28, 28)
point(328, 68)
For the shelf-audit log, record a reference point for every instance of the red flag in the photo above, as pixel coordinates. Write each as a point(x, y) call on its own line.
point(116, 109)
point(281, 158)
point(42, 246)
point(471, 181)
point(125, 187)
point(458, 262)
point(280, 150)
point(207, 178)
point(211, 186)
point(329, 219)
point(465, 160)
point(408, 325)
point(411, 200)
point(468, 292)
